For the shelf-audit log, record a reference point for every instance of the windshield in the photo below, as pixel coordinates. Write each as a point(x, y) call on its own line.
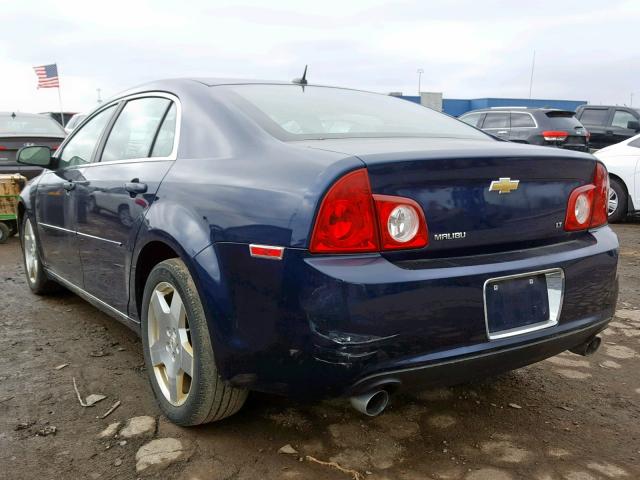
point(28, 125)
point(290, 112)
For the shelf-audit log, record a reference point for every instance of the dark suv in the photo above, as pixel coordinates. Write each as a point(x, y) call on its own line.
point(609, 124)
point(537, 126)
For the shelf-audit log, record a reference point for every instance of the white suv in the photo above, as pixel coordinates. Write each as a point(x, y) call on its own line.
point(623, 162)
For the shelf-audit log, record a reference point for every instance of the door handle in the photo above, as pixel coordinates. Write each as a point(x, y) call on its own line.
point(609, 132)
point(502, 132)
point(134, 187)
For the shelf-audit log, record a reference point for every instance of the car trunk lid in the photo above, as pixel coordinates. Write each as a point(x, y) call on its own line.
point(458, 183)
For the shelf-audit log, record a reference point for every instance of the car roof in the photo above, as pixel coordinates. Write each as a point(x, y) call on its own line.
point(518, 109)
point(21, 114)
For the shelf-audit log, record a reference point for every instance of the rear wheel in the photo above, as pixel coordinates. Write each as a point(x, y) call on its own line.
point(37, 279)
point(617, 201)
point(178, 351)
point(5, 233)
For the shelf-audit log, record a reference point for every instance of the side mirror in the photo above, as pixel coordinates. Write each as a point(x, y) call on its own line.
point(34, 155)
point(633, 125)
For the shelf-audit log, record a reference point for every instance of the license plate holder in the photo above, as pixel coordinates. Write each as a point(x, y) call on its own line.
point(522, 303)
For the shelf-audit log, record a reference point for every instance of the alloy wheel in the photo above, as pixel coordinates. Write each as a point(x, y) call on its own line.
point(613, 201)
point(30, 252)
point(170, 346)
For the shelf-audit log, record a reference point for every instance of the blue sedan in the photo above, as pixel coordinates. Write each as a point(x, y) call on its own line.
point(316, 241)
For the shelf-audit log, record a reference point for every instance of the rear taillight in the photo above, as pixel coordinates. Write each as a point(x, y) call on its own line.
point(555, 135)
point(601, 200)
point(401, 222)
point(2, 147)
point(353, 220)
point(346, 221)
point(587, 206)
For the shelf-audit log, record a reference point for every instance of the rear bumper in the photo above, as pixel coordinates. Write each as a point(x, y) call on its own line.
point(339, 325)
point(454, 370)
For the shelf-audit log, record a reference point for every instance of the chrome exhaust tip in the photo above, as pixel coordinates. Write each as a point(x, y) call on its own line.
point(589, 347)
point(371, 403)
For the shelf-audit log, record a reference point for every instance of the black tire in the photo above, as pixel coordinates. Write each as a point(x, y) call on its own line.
point(13, 227)
point(620, 212)
point(209, 399)
point(5, 233)
point(40, 284)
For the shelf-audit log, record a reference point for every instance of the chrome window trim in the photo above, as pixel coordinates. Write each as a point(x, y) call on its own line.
point(553, 319)
point(126, 98)
point(75, 232)
point(54, 227)
point(89, 297)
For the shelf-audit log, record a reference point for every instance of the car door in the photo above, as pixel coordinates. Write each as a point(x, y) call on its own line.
point(119, 188)
point(56, 207)
point(596, 121)
point(522, 127)
point(619, 125)
point(498, 124)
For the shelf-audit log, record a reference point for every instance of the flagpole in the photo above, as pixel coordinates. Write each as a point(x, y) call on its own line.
point(60, 100)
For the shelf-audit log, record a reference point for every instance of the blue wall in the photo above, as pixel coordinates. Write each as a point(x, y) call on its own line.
point(456, 107)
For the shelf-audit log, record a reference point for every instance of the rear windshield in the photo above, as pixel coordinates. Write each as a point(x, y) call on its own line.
point(563, 120)
point(290, 112)
point(19, 125)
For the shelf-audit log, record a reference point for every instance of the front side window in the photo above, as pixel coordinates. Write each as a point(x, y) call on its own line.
point(135, 129)
point(80, 148)
point(622, 118)
point(290, 112)
point(522, 120)
point(594, 116)
point(496, 120)
point(634, 143)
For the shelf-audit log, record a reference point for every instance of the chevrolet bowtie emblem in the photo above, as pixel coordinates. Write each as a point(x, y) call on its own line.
point(504, 185)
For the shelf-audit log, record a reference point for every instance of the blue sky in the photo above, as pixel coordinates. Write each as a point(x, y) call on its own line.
point(585, 50)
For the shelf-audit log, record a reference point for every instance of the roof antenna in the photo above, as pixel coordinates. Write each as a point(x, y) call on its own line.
point(302, 81)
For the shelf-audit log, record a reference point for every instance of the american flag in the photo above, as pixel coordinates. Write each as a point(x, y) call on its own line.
point(47, 76)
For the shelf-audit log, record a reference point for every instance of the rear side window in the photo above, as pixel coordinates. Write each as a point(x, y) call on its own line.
point(522, 120)
point(594, 116)
point(621, 118)
point(80, 148)
point(163, 145)
point(472, 119)
point(135, 129)
point(496, 120)
point(635, 143)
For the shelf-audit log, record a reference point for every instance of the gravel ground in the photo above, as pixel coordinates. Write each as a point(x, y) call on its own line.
point(569, 417)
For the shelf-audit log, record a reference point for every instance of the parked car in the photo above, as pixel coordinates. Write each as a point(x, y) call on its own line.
point(74, 122)
point(609, 125)
point(61, 118)
point(316, 241)
point(536, 126)
point(623, 162)
point(22, 129)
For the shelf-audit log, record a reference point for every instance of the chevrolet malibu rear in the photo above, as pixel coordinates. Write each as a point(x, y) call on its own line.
point(330, 242)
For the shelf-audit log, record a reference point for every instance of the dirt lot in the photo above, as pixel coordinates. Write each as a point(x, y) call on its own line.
point(570, 417)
